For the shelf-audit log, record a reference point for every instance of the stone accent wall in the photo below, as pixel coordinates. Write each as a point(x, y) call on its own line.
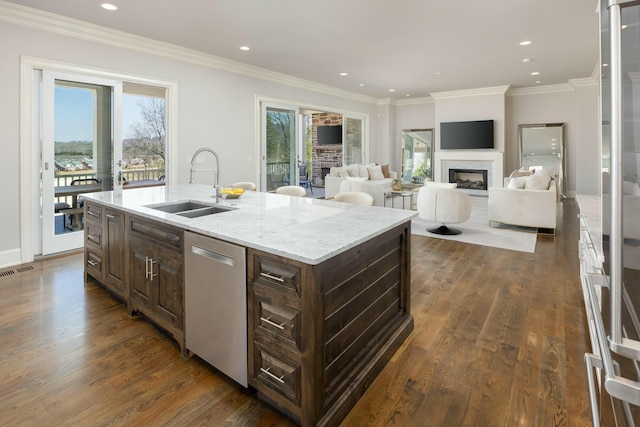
point(324, 156)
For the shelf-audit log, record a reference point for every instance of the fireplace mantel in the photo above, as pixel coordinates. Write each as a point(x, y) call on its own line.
point(470, 158)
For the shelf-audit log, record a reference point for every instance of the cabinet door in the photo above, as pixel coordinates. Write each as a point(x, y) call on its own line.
point(167, 289)
point(115, 251)
point(140, 257)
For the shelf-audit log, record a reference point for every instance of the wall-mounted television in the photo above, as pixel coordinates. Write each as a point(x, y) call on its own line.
point(329, 135)
point(466, 135)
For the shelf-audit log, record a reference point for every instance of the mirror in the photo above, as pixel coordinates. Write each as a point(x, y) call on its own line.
point(417, 155)
point(542, 145)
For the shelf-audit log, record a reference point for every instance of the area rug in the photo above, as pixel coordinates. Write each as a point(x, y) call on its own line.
point(478, 232)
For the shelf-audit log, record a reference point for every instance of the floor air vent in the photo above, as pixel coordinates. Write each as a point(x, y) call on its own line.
point(11, 272)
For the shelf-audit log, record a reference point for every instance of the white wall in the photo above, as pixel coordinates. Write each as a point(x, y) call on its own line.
point(578, 108)
point(576, 105)
point(216, 108)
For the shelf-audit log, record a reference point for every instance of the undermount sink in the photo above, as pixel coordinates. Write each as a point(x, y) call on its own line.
point(189, 208)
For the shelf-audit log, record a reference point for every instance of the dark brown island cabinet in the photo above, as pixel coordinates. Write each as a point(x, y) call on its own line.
point(318, 335)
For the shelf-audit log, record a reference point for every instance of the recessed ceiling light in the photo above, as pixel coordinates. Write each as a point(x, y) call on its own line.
point(344, 74)
point(408, 94)
point(624, 27)
point(538, 82)
point(361, 85)
point(109, 6)
point(392, 90)
point(244, 48)
point(535, 73)
point(526, 60)
point(438, 73)
point(605, 65)
point(525, 43)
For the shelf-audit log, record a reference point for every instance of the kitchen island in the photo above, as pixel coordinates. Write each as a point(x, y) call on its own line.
point(327, 284)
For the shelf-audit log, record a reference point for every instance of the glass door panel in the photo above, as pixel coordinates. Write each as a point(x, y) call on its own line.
point(144, 131)
point(279, 166)
point(77, 152)
point(352, 147)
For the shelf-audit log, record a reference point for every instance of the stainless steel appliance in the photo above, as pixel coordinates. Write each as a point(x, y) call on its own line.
point(216, 304)
point(613, 289)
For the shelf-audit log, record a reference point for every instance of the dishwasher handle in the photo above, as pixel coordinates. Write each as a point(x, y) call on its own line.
point(212, 255)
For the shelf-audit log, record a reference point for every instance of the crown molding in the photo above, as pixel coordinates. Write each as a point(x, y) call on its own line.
point(58, 24)
point(539, 90)
point(416, 101)
point(495, 90)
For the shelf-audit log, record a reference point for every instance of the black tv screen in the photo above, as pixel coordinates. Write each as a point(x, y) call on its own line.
point(466, 135)
point(329, 135)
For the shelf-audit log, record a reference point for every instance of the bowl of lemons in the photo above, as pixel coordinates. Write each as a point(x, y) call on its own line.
point(232, 193)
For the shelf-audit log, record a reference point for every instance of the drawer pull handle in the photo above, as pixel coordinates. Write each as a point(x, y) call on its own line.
point(272, 277)
point(279, 379)
point(91, 213)
point(267, 320)
point(92, 263)
point(93, 238)
point(111, 216)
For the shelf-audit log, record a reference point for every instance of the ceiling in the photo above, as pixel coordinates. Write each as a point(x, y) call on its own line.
point(416, 47)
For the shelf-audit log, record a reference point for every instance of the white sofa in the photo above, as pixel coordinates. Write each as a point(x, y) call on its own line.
point(526, 207)
point(356, 173)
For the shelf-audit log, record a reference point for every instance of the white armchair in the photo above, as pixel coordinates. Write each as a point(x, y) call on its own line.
point(524, 207)
point(443, 205)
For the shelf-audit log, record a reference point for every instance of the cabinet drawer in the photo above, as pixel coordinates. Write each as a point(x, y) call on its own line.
point(165, 235)
point(94, 263)
point(278, 322)
point(275, 372)
point(277, 275)
point(93, 235)
point(94, 212)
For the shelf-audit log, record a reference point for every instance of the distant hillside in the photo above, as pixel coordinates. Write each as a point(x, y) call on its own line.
point(74, 148)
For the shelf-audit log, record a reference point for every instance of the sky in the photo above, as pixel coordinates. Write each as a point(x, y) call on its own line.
point(74, 114)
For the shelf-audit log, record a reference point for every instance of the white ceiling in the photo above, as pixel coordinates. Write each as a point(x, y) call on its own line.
point(383, 44)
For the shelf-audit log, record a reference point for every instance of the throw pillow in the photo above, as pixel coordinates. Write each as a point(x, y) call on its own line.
point(517, 182)
point(375, 173)
point(538, 181)
point(335, 171)
point(357, 178)
point(385, 171)
point(353, 170)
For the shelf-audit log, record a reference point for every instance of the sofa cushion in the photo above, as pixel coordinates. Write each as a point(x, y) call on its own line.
point(519, 173)
point(517, 182)
point(335, 171)
point(375, 172)
point(357, 178)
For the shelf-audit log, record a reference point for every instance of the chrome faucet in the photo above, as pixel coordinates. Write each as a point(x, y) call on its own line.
point(193, 170)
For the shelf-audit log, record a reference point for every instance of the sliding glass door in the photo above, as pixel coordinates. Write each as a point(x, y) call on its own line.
point(81, 137)
point(279, 153)
point(353, 140)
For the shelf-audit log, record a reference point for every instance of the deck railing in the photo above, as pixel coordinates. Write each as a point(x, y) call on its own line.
point(62, 179)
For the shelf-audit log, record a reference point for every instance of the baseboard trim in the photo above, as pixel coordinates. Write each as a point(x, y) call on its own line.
point(10, 258)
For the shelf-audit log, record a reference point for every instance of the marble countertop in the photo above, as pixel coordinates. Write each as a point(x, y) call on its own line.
point(299, 228)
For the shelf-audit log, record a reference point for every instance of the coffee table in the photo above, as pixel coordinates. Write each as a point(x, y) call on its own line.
point(391, 195)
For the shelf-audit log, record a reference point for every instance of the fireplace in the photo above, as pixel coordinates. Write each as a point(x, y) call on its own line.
point(469, 179)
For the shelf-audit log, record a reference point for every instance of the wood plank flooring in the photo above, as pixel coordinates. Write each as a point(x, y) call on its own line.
point(499, 340)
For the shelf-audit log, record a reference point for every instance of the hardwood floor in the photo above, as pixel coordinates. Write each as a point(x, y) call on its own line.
point(499, 340)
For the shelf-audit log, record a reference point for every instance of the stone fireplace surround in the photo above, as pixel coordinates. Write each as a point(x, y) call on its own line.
point(489, 160)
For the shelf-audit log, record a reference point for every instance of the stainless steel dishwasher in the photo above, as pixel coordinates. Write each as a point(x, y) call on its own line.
point(216, 304)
